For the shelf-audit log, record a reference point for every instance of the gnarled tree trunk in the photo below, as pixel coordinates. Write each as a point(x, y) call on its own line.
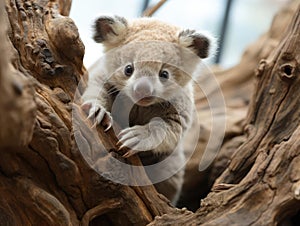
point(46, 181)
point(261, 182)
point(44, 178)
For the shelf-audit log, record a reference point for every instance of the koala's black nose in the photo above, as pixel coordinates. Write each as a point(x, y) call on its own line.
point(143, 88)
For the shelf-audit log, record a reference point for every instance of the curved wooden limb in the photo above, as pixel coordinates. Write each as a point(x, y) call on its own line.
point(260, 184)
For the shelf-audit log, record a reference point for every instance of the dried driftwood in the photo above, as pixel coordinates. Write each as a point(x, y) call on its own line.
point(260, 184)
point(46, 181)
point(44, 178)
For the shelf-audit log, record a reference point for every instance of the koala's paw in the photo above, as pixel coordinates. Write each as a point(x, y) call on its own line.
point(140, 138)
point(97, 114)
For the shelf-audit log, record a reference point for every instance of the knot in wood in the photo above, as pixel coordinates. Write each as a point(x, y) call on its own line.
point(261, 68)
point(287, 72)
point(249, 129)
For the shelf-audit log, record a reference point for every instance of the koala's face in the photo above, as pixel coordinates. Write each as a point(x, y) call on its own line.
point(148, 72)
point(147, 59)
point(151, 82)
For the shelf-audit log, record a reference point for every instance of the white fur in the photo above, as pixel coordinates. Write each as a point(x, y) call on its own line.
point(156, 129)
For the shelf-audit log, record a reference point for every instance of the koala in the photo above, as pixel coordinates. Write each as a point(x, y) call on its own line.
point(144, 83)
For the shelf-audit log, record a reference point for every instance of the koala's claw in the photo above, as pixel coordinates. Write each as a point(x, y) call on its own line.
point(131, 142)
point(109, 125)
point(98, 115)
point(128, 138)
point(138, 139)
point(129, 154)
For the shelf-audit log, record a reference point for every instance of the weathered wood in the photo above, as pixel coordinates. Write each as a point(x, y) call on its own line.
point(17, 102)
point(261, 184)
point(151, 10)
point(237, 85)
point(44, 178)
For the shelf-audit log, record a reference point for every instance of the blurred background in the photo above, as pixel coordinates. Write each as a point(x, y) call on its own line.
point(236, 23)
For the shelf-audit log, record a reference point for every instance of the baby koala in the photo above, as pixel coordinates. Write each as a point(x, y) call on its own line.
point(144, 83)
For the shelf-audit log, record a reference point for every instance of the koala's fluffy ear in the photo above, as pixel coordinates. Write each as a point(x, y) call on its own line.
point(110, 30)
point(200, 43)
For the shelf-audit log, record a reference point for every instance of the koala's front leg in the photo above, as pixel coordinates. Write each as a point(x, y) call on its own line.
point(157, 135)
point(95, 103)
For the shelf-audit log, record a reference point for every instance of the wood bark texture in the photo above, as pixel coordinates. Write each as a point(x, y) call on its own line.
point(44, 180)
point(237, 85)
point(260, 180)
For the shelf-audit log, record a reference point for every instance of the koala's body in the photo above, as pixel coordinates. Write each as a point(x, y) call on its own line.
point(144, 83)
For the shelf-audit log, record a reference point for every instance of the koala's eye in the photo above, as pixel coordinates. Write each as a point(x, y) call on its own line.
point(128, 71)
point(164, 74)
